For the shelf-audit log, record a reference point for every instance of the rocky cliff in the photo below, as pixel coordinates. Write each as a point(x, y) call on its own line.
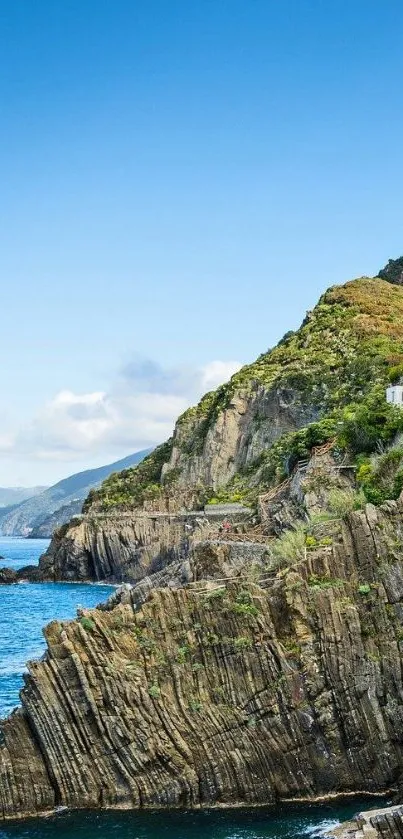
point(324, 382)
point(242, 684)
point(257, 654)
point(384, 823)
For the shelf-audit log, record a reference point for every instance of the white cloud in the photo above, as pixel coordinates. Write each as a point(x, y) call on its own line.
point(139, 410)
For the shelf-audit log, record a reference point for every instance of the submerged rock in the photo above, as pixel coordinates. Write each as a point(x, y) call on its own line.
point(8, 576)
point(29, 573)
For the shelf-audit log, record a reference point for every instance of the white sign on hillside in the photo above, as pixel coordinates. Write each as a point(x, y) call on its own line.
point(394, 394)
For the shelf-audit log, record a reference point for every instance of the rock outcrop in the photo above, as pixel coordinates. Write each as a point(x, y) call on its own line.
point(128, 546)
point(31, 573)
point(240, 686)
point(384, 823)
point(7, 576)
point(249, 658)
point(248, 436)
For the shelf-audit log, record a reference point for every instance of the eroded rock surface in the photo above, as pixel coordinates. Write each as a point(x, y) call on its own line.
point(128, 546)
point(383, 823)
point(226, 692)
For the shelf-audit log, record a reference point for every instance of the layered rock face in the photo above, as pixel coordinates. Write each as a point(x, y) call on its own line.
point(242, 686)
point(128, 546)
point(250, 423)
point(341, 356)
point(385, 823)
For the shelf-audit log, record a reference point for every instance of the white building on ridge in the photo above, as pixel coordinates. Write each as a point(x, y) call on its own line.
point(394, 394)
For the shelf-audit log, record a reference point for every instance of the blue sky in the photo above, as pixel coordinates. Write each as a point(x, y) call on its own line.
point(179, 182)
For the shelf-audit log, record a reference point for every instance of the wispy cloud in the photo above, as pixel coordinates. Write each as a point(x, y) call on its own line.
point(138, 410)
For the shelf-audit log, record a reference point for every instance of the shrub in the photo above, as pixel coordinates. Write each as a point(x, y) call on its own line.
point(88, 624)
point(244, 604)
point(290, 546)
point(317, 582)
point(341, 502)
point(370, 422)
point(364, 589)
point(133, 485)
point(195, 705)
point(154, 691)
point(215, 594)
point(381, 477)
point(242, 643)
point(183, 653)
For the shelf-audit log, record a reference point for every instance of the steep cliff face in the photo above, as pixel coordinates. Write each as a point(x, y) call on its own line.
point(344, 349)
point(251, 422)
point(325, 381)
point(258, 687)
point(125, 547)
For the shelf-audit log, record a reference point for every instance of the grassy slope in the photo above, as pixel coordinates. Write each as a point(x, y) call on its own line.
point(339, 360)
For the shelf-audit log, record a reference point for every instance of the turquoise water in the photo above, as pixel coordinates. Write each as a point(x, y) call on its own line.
point(24, 610)
point(284, 823)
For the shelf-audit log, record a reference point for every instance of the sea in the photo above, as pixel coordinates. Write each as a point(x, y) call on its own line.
point(24, 609)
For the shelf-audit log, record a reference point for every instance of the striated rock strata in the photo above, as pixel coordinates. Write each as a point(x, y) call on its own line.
point(128, 546)
point(324, 383)
point(384, 823)
point(233, 688)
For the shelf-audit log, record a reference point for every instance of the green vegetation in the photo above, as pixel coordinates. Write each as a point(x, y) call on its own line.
point(154, 691)
point(371, 423)
point(336, 367)
point(88, 624)
point(183, 654)
point(244, 604)
point(341, 502)
point(217, 594)
point(290, 547)
point(242, 643)
point(317, 583)
point(195, 705)
point(223, 495)
point(381, 476)
point(344, 346)
point(132, 486)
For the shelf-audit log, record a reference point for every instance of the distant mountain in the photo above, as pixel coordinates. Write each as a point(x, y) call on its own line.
point(10, 496)
point(47, 527)
point(28, 516)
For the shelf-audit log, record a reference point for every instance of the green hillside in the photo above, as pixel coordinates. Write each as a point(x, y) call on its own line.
point(338, 363)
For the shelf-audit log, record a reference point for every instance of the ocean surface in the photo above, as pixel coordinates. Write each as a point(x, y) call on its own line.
point(289, 822)
point(24, 609)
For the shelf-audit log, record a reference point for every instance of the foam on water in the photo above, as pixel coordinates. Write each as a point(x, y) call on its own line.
point(285, 822)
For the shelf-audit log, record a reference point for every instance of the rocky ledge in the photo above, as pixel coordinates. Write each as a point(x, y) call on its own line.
point(29, 573)
point(385, 823)
point(239, 686)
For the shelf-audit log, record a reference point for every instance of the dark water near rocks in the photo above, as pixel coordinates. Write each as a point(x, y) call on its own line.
point(284, 823)
point(24, 609)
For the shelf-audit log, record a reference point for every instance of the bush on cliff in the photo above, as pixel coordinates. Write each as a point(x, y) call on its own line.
point(334, 368)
